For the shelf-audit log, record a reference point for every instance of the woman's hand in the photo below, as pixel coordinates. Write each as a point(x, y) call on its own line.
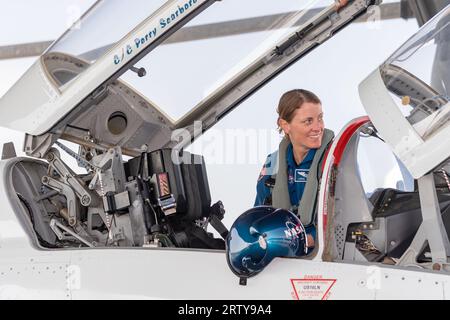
point(311, 242)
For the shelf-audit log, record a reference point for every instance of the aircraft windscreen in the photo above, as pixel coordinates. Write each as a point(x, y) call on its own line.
point(418, 76)
point(214, 47)
point(106, 23)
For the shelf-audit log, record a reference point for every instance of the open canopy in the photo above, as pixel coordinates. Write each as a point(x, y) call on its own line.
point(117, 75)
point(409, 102)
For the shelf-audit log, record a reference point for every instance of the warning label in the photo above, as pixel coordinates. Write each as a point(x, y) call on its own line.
point(312, 288)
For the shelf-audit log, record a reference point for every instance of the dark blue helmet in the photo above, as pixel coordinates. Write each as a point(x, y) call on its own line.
point(262, 234)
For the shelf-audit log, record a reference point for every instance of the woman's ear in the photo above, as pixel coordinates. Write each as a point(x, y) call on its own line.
point(284, 125)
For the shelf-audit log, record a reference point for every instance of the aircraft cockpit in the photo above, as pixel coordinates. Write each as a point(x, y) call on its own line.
point(132, 103)
point(405, 219)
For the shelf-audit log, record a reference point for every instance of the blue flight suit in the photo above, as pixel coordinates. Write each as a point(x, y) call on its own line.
point(297, 178)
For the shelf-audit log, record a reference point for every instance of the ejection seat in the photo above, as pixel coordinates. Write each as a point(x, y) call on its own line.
point(370, 227)
point(182, 192)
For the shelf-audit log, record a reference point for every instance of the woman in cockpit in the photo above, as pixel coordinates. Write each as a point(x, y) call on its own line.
point(289, 178)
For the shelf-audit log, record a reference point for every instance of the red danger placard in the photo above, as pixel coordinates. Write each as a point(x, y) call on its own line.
point(164, 188)
point(312, 289)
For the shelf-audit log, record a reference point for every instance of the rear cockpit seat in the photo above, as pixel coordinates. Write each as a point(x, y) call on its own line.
point(396, 220)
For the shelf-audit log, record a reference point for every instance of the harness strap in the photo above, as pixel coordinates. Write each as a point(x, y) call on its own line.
point(306, 209)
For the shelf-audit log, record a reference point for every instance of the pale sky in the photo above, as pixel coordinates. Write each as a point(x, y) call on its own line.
point(333, 72)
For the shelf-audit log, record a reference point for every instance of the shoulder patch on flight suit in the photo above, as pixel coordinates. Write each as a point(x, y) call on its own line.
point(263, 173)
point(264, 168)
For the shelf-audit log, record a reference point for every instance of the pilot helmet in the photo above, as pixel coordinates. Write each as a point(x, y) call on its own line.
point(261, 234)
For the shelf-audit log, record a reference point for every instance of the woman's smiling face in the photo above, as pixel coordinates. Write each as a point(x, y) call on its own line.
point(306, 127)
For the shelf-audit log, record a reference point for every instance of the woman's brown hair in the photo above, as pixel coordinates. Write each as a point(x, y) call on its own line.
point(291, 101)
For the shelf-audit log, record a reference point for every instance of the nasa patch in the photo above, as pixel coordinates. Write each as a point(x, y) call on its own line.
point(301, 175)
